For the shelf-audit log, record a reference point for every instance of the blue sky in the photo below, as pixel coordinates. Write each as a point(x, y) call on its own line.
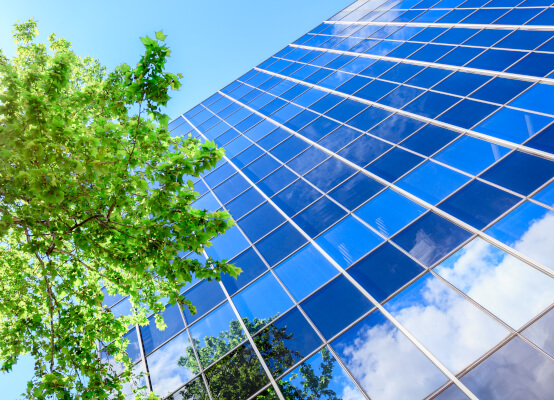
point(212, 42)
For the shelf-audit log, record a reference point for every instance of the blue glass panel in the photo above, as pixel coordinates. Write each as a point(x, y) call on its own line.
point(394, 164)
point(432, 182)
point(228, 245)
point(273, 106)
point(374, 348)
point(260, 221)
point(389, 212)
point(375, 90)
point(495, 60)
point(219, 175)
point(152, 337)
point(319, 128)
point(517, 16)
point(513, 125)
point(305, 271)
point(230, 188)
point(405, 50)
point(285, 113)
point(335, 306)
point(541, 332)
point(236, 146)
point(377, 68)
point(319, 216)
point(471, 155)
point(357, 65)
point(429, 139)
point(260, 168)
point(429, 305)
point(543, 141)
point(429, 77)
point(484, 16)
point(293, 335)
point(273, 138)
point(326, 103)
point(521, 172)
point(396, 128)
point(252, 267)
point(527, 229)
point(247, 156)
point(364, 150)
point(401, 72)
point(461, 83)
point(384, 271)
point(524, 40)
point(428, 34)
point(478, 204)
point(329, 174)
point(339, 138)
point(356, 191)
point(296, 197)
point(467, 113)
point(501, 90)
point(307, 160)
point(460, 56)
point(546, 195)
point(280, 243)
point(431, 104)
point(455, 35)
point(345, 110)
point(347, 241)
point(535, 64)
point(431, 52)
point(217, 324)
point(276, 181)
point(368, 118)
point(200, 187)
point(400, 96)
point(309, 97)
point(352, 85)
point(204, 296)
point(265, 299)
point(538, 98)
point(430, 238)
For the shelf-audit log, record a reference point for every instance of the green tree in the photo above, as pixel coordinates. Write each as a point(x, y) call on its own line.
point(240, 374)
point(94, 192)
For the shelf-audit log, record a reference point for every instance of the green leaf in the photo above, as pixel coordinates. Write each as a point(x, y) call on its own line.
point(160, 36)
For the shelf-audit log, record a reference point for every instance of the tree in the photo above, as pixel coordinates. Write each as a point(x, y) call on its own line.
point(239, 374)
point(94, 192)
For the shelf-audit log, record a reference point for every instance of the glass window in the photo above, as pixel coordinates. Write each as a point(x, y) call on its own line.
point(375, 90)
point(335, 306)
point(542, 332)
point(432, 182)
point(261, 302)
point(152, 337)
point(326, 103)
point(514, 371)
point(319, 216)
point(244, 203)
point(429, 139)
point(389, 212)
point(478, 204)
point(471, 155)
point(394, 164)
point(346, 110)
point(329, 174)
point(261, 221)
point(385, 363)
point(495, 60)
point(277, 181)
point(230, 188)
point(431, 104)
point(384, 271)
point(527, 229)
point(431, 52)
point(252, 267)
point(396, 128)
point(219, 175)
point(289, 148)
point(430, 238)
point(238, 376)
point(356, 191)
point(506, 286)
point(296, 197)
point(347, 241)
point(429, 306)
point(216, 334)
point(344, 82)
point(228, 245)
point(320, 373)
point(368, 118)
point(319, 128)
point(461, 83)
point(207, 202)
point(401, 72)
point(286, 341)
point(521, 172)
point(247, 156)
point(280, 243)
point(260, 168)
point(204, 296)
point(536, 99)
point(172, 365)
point(544, 140)
point(195, 390)
point(364, 150)
point(546, 195)
point(305, 271)
point(524, 40)
point(339, 138)
point(274, 138)
point(535, 64)
point(307, 160)
point(300, 120)
point(429, 77)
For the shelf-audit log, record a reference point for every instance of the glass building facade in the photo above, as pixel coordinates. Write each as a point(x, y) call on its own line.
point(391, 178)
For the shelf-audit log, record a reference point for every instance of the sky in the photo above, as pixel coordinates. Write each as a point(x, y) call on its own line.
point(212, 43)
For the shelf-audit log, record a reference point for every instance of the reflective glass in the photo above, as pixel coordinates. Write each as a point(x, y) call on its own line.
point(536, 99)
point(277, 181)
point(385, 363)
point(396, 128)
point(384, 271)
point(289, 148)
point(347, 241)
point(319, 216)
point(389, 212)
point(252, 267)
point(230, 188)
point(432, 182)
point(296, 197)
point(194, 390)
point(340, 137)
point(261, 302)
point(428, 140)
point(546, 195)
point(204, 296)
point(216, 334)
point(172, 365)
point(356, 191)
point(541, 332)
point(430, 238)
point(305, 271)
point(225, 247)
point(448, 325)
point(335, 306)
point(152, 337)
point(244, 203)
point(319, 128)
point(364, 150)
point(261, 221)
point(431, 104)
point(280, 243)
point(394, 164)
point(506, 286)
point(329, 174)
point(513, 125)
point(543, 141)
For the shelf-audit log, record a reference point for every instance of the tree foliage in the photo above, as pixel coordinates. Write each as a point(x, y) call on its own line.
point(94, 192)
point(239, 374)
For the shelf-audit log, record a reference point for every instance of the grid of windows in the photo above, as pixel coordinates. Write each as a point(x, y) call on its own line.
point(391, 177)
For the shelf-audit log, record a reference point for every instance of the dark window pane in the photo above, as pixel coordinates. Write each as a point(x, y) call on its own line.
point(394, 164)
point(430, 238)
point(319, 128)
point(307, 160)
point(335, 306)
point(296, 197)
point(329, 174)
point(356, 191)
point(276, 181)
point(368, 118)
point(230, 188)
point(364, 150)
point(282, 242)
point(261, 221)
point(244, 203)
point(429, 139)
point(252, 267)
point(204, 296)
point(319, 216)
